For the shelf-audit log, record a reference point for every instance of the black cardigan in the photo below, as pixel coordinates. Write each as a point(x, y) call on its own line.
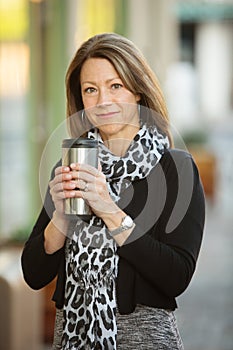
point(157, 261)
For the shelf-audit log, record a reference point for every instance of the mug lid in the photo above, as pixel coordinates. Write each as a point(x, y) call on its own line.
point(79, 143)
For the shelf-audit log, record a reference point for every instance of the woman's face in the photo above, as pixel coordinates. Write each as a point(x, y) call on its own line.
point(108, 104)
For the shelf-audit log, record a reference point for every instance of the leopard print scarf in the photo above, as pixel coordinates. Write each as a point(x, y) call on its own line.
point(91, 260)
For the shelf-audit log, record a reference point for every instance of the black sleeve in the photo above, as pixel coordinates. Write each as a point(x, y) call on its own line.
point(166, 254)
point(40, 268)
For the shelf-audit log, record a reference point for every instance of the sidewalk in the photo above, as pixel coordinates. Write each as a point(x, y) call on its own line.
point(205, 314)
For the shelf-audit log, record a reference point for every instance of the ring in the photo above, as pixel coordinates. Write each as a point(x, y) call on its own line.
point(86, 187)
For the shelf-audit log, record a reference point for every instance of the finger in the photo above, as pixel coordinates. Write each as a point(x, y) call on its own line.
point(89, 195)
point(80, 175)
point(63, 186)
point(62, 169)
point(57, 185)
point(59, 193)
point(88, 177)
point(61, 177)
point(81, 184)
point(99, 167)
point(86, 168)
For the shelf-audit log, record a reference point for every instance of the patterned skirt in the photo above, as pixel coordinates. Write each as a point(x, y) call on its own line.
point(147, 328)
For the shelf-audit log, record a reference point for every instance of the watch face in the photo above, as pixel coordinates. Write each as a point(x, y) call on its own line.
point(128, 222)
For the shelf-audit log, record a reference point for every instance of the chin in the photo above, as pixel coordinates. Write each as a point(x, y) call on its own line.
point(109, 130)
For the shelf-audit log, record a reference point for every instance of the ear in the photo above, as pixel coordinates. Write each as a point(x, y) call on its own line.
point(138, 97)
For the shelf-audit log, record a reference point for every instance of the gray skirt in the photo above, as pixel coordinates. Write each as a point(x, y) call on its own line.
point(147, 328)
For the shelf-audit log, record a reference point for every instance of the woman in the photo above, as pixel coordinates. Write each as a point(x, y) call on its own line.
point(119, 273)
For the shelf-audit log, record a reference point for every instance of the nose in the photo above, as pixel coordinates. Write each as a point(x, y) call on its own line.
point(104, 98)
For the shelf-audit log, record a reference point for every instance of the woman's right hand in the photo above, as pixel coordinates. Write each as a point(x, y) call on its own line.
point(61, 187)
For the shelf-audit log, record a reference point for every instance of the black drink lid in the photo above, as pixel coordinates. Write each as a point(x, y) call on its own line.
point(79, 143)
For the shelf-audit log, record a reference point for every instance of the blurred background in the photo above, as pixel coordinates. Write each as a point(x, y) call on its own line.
point(189, 45)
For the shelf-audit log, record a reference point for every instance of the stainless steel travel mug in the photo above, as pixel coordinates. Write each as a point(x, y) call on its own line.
point(84, 151)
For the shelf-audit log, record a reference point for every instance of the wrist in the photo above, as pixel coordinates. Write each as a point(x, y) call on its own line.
point(60, 221)
point(55, 233)
point(58, 217)
point(113, 220)
point(126, 224)
point(120, 226)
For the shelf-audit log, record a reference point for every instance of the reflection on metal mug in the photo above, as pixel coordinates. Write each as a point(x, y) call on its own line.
point(84, 151)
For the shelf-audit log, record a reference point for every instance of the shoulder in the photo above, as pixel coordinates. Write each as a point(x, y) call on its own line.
point(176, 160)
point(184, 191)
point(175, 154)
point(172, 163)
point(178, 169)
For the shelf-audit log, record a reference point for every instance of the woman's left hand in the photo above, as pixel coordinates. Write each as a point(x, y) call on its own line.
point(92, 187)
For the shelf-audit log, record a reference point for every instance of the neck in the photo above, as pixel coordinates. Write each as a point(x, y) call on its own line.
point(119, 145)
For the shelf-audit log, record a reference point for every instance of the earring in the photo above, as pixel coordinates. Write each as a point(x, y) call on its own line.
point(139, 110)
point(83, 116)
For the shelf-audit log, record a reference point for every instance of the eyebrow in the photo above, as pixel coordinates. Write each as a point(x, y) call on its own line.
point(107, 81)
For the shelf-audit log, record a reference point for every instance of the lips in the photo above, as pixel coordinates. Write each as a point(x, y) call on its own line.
point(106, 115)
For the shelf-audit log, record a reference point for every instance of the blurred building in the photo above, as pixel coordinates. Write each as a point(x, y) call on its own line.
point(187, 43)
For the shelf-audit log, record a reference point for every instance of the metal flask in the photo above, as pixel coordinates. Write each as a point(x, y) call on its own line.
point(83, 151)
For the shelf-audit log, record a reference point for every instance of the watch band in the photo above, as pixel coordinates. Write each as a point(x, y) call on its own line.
point(126, 223)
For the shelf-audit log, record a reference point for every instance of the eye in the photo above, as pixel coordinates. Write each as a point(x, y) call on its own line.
point(116, 86)
point(90, 90)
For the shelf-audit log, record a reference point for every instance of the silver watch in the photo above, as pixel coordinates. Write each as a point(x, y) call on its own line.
point(126, 223)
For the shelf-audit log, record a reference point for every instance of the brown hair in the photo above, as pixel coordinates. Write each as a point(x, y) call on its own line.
point(133, 70)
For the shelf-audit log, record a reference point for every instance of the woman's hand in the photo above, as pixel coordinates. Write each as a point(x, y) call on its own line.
point(82, 181)
point(62, 187)
point(92, 187)
point(89, 183)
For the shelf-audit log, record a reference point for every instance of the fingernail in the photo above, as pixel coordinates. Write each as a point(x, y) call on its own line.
point(73, 165)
